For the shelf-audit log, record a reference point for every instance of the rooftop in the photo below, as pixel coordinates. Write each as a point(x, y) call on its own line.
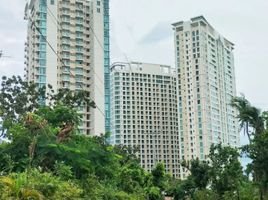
point(139, 67)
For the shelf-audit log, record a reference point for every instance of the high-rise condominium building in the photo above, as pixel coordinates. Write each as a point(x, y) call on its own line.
point(68, 47)
point(206, 85)
point(144, 112)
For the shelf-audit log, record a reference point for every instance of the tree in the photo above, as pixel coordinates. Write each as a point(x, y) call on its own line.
point(253, 118)
point(249, 116)
point(159, 177)
point(18, 97)
point(226, 170)
point(211, 179)
point(205, 194)
point(89, 162)
point(53, 160)
point(131, 177)
point(154, 193)
point(248, 190)
point(199, 172)
point(258, 152)
point(61, 116)
point(184, 190)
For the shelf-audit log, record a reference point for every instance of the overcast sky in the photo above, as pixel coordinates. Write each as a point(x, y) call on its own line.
point(141, 31)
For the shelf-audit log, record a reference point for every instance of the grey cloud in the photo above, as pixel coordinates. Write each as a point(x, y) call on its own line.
point(12, 37)
point(159, 32)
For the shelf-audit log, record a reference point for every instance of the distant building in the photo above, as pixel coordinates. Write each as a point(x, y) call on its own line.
point(68, 47)
point(144, 112)
point(206, 85)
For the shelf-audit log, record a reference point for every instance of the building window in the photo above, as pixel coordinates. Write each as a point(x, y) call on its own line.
point(52, 2)
point(98, 10)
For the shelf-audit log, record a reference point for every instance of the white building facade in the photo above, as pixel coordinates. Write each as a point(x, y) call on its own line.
point(144, 113)
point(206, 85)
point(68, 47)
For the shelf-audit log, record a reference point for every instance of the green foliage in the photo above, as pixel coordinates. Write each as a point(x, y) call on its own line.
point(258, 152)
point(37, 185)
point(159, 178)
point(46, 158)
point(63, 171)
point(199, 172)
point(248, 116)
point(205, 194)
point(248, 191)
point(183, 189)
point(18, 97)
point(59, 115)
point(154, 193)
point(222, 174)
point(77, 167)
point(255, 123)
point(131, 177)
point(69, 98)
point(226, 170)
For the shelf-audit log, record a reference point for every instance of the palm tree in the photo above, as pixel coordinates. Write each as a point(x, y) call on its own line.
point(249, 117)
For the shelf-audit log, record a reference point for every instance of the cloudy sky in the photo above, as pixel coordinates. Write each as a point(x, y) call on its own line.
point(141, 31)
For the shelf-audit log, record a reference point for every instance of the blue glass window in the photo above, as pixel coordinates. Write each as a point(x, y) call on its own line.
point(43, 24)
point(42, 47)
point(42, 62)
point(42, 70)
point(42, 39)
point(42, 79)
point(43, 31)
point(42, 55)
point(43, 15)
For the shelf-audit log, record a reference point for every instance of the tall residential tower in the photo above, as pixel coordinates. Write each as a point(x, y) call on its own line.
point(144, 113)
point(206, 85)
point(68, 47)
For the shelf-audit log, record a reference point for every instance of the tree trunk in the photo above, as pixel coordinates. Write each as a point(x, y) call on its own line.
point(64, 133)
point(263, 193)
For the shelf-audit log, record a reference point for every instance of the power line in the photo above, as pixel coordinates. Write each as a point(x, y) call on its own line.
point(37, 28)
point(96, 37)
point(98, 40)
point(60, 27)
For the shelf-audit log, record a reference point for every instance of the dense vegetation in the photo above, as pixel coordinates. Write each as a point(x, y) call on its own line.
point(47, 158)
